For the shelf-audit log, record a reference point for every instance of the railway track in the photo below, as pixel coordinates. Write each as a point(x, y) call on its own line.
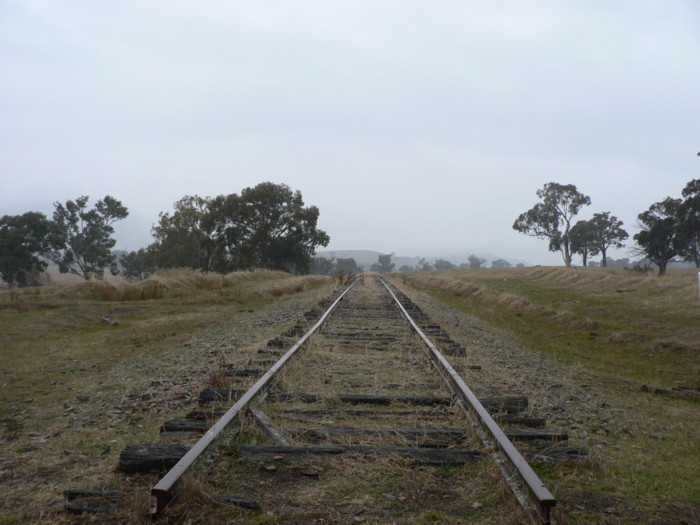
point(360, 417)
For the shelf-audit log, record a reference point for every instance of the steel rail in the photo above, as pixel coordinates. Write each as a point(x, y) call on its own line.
point(516, 470)
point(163, 491)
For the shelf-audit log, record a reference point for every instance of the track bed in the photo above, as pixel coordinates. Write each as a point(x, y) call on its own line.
point(359, 427)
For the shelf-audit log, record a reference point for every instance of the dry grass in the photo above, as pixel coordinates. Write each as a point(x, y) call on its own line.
point(350, 488)
point(179, 283)
point(590, 338)
point(75, 390)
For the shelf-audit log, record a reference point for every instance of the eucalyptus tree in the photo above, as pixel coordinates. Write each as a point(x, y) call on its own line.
point(383, 264)
point(322, 265)
point(475, 261)
point(137, 264)
point(690, 222)
point(346, 265)
point(500, 263)
point(268, 226)
point(186, 237)
point(24, 239)
point(551, 218)
point(582, 237)
point(443, 264)
point(608, 233)
point(659, 240)
point(84, 236)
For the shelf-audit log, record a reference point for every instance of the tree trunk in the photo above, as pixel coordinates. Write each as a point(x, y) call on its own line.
point(567, 254)
point(662, 266)
point(604, 260)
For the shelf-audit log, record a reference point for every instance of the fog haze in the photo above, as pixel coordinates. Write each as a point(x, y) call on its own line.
point(416, 128)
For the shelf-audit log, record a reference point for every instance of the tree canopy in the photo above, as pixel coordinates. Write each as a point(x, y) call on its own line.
point(689, 224)
point(84, 236)
point(424, 266)
point(346, 265)
point(266, 226)
point(659, 239)
point(500, 263)
point(332, 266)
point(383, 264)
point(607, 233)
point(187, 236)
point(475, 262)
point(443, 264)
point(269, 227)
point(583, 240)
point(23, 240)
point(551, 218)
point(136, 265)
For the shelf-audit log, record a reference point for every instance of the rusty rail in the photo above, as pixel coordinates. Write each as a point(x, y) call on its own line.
point(201, 452)
point(527, 486)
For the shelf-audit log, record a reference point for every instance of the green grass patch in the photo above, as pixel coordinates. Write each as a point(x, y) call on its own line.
point(614, 331)
point(643, 328)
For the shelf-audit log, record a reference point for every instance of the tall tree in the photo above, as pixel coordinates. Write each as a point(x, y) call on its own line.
point(346, 265)
point(188, 237)
point(608, 233)
point(551, 218)
point(136, 264)
point(23, 240)
point(500, 263)
point(322, 265)
point(658, 239)
point(476, 262)
point(383, 264)
point(443, 264)
point(86, 236)
point(582, 237)
point(690, 223)
point(424, 266)
point(269, 227)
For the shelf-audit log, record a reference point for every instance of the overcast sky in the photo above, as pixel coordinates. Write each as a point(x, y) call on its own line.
point(421, 128)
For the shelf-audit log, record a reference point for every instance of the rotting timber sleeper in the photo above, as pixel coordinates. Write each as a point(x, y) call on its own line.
point(417, 420)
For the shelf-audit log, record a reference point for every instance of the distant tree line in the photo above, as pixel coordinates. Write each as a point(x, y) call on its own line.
point(385, 264)
point(267, 226)
point(670, 229)
point(333, 266)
